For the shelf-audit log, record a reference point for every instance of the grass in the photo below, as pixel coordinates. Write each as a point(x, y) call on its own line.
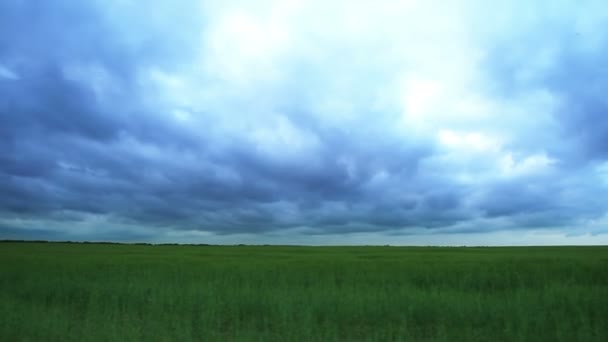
point(103, 292)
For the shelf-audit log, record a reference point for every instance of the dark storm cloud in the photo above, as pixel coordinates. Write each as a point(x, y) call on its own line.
point(75, 150)
point(57, 133)
point(559, 56)
point(564, 56)
point(557, 201)
point(109, 132)
point(581, 80)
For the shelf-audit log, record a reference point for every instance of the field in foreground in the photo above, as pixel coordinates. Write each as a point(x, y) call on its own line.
point(99, 292)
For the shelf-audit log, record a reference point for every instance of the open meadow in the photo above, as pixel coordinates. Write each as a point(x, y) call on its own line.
point(111, 292)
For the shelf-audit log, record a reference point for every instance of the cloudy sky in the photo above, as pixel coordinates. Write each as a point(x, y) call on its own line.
point(304, 122)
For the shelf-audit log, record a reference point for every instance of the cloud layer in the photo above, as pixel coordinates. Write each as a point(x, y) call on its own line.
point(292, 121)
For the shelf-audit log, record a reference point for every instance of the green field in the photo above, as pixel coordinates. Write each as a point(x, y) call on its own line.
point(104, 292)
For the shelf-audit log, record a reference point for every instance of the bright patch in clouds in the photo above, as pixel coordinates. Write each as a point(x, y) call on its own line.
point(533, 164)
point(7, 73)
point(241, 44)
point(469, 141)
point(281, 138)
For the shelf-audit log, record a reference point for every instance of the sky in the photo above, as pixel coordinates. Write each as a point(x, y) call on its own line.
point(304, 122)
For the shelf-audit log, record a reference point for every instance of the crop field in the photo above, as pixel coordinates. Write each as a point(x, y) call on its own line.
point(111, 292)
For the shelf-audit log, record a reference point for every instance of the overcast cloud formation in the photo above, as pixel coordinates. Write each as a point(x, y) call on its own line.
point(341, 122)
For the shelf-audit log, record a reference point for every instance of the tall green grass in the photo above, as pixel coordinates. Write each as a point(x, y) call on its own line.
point(98, 292)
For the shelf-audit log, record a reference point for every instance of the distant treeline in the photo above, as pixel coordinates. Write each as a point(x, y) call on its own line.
point(107, 243)
point(135, 243)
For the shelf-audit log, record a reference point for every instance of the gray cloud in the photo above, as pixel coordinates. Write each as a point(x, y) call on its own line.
point(121, 126)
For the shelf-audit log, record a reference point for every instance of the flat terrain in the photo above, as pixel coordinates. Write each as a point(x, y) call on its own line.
point(103, 292)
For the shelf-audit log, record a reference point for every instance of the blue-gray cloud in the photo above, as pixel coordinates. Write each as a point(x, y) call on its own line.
point(280, 118)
